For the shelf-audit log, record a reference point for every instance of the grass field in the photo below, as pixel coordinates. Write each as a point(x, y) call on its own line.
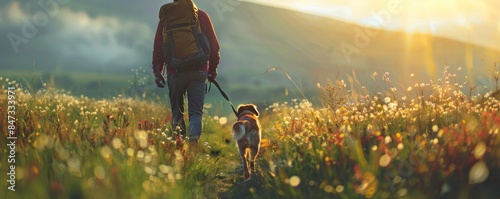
point(431, 140)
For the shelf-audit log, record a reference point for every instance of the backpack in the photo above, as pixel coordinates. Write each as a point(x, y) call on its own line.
point(185, 46)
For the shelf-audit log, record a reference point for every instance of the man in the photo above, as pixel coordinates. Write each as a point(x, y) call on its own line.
point(191, 82)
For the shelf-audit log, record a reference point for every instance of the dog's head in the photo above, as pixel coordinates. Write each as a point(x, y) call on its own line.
point(248, 108)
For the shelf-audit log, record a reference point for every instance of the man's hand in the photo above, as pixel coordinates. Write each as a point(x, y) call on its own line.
point(159, 80)
point(212, 75)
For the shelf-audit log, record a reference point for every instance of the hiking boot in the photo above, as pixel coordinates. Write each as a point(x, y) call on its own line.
point(193, 145)
point(193, 141)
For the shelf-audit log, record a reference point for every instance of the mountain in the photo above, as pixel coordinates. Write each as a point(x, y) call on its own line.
point(115, 36)
point(313, 48)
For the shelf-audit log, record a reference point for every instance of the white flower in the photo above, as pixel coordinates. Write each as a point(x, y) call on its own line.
point(388, 139)
point(384, 160)
point(294, 181)
point(479, 150)
point(435, 128)
point(387, 99)
point(339, 188)
point(223, 120)
point(106, 152)
point(478, 173)
point(401, 146)
point(117, 143)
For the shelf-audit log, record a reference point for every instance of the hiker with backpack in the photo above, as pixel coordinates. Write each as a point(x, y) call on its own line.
point(187, 49)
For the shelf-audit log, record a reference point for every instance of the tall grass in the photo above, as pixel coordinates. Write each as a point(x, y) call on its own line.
point(76, 147)
point(430, 140)
point(433, 139)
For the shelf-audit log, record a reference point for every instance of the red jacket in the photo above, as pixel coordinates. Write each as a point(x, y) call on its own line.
point(207, 28)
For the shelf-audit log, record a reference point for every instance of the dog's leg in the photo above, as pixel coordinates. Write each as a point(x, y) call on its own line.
point(244, 160)
point(254, 151)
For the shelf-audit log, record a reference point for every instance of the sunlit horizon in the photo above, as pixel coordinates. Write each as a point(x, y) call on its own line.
point(474, 22)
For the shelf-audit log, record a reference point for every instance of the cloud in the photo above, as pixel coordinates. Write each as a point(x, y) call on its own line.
point(103, 39)
point(13, 13)
point(73, 38)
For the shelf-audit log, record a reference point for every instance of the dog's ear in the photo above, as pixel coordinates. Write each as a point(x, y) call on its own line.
point(248, 107)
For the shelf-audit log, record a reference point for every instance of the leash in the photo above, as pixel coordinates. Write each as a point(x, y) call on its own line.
point(224, 95)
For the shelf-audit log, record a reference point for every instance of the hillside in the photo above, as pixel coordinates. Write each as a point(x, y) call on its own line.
point(252, 38)
point(308, 47)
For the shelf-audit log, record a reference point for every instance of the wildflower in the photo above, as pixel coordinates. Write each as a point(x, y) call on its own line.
point(435, 141)
point(106, 152)
point(403, 192)
point(148, 170)
point(445, 189)
point(99, 172)
point(143, 143)
point(387, 139)
point(397, 179)
point(329, 188)
point(478, 173)
point(479, 150)
point(294, 181)
point(117, 143)
point(42, 142)
point(74, 166)
point(165, 169)
point(140, 155)
point(130, 152)
point(393, 152)
point(223, 120)
point(401, 146)
point(487, 95)
point(384, 160)
point(369, 127)
point(435, 128)
point(339, 188)
point(148, 158)
point(387, 99)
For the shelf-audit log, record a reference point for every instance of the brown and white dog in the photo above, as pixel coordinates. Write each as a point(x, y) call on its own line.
point(247, 133)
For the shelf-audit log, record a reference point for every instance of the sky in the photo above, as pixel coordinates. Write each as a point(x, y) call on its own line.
point(476, 21)
point(79, 33)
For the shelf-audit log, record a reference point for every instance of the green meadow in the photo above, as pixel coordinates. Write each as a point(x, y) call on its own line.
point(436, 139)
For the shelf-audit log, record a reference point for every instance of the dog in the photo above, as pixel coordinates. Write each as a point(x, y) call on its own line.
point(247, 133)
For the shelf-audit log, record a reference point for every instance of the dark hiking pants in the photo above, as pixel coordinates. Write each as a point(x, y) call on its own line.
point(193, 84)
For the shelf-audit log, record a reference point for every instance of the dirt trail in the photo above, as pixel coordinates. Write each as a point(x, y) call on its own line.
point(231, 184)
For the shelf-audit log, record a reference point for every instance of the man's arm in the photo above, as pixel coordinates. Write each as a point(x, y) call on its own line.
point(208, 29)
point(158, 59)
